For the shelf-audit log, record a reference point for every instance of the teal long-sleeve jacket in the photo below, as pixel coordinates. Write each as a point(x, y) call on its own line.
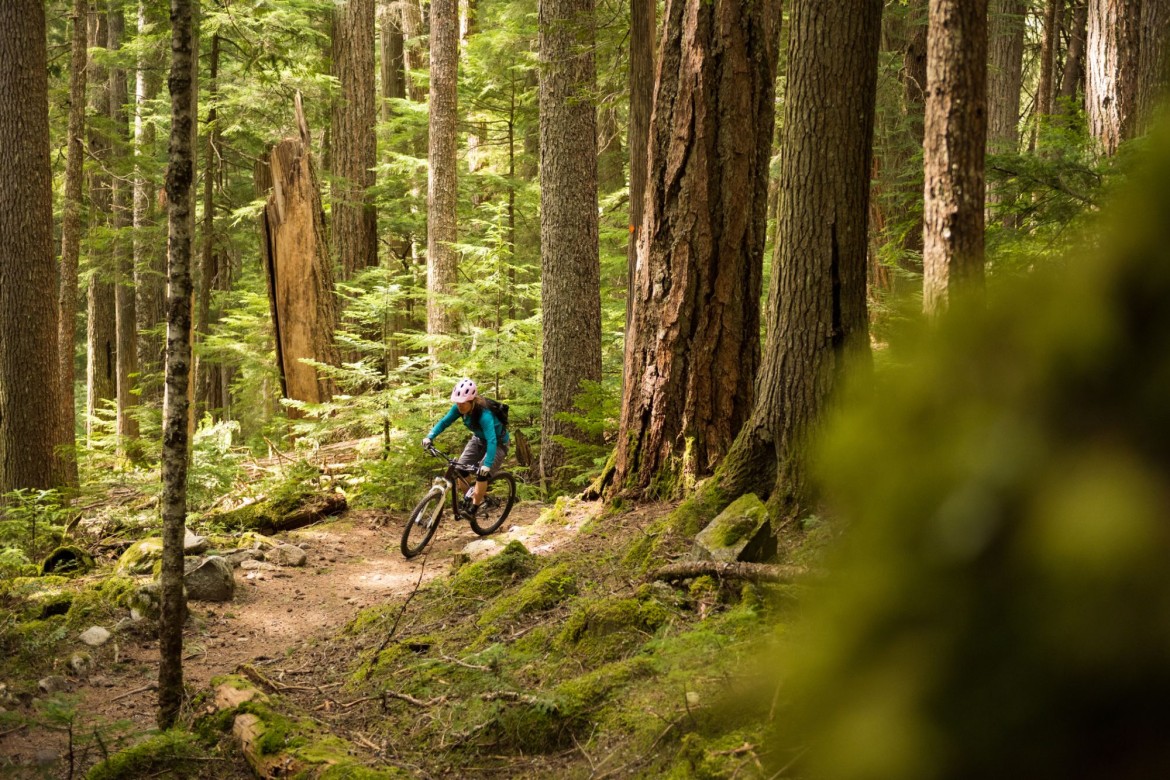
point(480, 422)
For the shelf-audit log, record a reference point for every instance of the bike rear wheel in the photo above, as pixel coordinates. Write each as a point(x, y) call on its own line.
point(497, 503)
point(423, 523)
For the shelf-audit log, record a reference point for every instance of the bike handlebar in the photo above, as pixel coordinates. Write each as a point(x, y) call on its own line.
point(436, 452)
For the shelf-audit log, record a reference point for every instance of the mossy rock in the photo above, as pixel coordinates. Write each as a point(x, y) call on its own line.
point(141, 557)
point(67, 560)
point(549, 587)
point(602, 629)
point(741, 532)
point(489, 577)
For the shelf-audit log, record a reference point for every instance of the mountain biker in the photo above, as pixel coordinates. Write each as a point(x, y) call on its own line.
point(489, 442)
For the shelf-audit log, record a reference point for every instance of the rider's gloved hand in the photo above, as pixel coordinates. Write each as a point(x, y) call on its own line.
point(484, 472)
point(426, 443)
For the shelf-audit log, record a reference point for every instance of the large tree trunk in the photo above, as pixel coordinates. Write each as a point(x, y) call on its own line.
point(442, 184)
point(1111, 79)
point(149, 262)
point(67, 297)
point(642, 40)
point(1152, 72)
point(101, 326)
point(694, 344)
point(300, 276)
point(817, 329)
point(176, 408)
point(956, 137)
point(355, 225)
point(570, 267)
point(125, 320)
point(29, 383)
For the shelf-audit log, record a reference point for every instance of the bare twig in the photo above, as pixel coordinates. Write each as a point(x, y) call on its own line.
point(465, 665)
point(401, 612)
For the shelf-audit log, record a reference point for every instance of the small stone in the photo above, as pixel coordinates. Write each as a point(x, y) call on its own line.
point(251, 565)
point(287, 555)
point(135, 615)
point(54, 683)
point(95, 636)
point(46, 757)
point(81, 663)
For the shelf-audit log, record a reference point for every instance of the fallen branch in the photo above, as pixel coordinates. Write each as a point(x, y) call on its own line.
point(143, 689)
point(465, 665)
point(752, 572)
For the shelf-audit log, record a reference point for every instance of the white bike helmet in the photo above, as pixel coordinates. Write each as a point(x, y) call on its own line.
point(464, 391)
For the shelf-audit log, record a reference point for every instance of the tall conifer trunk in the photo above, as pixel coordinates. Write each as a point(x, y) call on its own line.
point(1114, 34)
point(149, 260)
point(125, 319)
point(693, 346)
point(956, 137)
point(442, 183)
point(642, 41)
point(29, 381)
point(570, 267)
point(354, 226)
point(1004, 75)
point(817, 322)
point(101, 325)
point(67, 296)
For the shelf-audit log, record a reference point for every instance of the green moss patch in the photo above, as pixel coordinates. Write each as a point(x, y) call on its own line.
point(169, 752)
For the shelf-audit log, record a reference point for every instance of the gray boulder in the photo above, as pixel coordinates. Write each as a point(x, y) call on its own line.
point(741, 532)
point(140, 557)
point(211, 580)
point(54, 683)
point(193, 544)
point(286, 555)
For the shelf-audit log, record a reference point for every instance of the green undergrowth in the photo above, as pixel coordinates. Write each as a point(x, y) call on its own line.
point(566, 661)
point(41, 617)
point(168, 753)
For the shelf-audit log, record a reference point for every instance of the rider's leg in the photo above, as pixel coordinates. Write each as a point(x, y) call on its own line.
point(481, 485)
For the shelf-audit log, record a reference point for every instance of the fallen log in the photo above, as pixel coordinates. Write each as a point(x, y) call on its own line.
point(286, 514)
point(752, 572)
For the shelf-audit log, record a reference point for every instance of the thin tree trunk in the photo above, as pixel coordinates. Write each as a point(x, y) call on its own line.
point(207, 376)
point(956, 137)
point(1049, 45)
point(1073, 75)
point(442, 184)
point(101, 326)
point(1004, 80)
point(569, 260)
point(125, 319)
point(179, 186)
point(67, 298)
point(29, 373)
point(642, 41)
point(354, 225)
point(149, 262)
point(817, 329)
point(694, 348)
point(414, 52)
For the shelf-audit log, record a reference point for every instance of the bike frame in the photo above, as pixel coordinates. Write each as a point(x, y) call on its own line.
point(446, 484)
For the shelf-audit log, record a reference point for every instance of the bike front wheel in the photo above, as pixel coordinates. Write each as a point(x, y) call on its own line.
point(423, 523)
point(497, 503)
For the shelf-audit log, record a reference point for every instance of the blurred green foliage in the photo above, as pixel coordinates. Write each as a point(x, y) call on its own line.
point(1001, 603)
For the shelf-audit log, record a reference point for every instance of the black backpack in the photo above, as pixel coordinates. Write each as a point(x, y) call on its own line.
point(498, 410)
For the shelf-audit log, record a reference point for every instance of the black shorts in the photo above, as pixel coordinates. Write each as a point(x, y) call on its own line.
point(475, 450)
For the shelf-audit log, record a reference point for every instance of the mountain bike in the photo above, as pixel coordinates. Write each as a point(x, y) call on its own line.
point(424, 520)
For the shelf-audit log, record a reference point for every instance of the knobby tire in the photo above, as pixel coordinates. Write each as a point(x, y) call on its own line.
point(501, 489)
point(422, 511)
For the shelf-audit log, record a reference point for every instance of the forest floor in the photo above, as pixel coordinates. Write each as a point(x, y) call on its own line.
point(273, 623)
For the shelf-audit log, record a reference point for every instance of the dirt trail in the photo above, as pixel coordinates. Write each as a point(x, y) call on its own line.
point(353, 562)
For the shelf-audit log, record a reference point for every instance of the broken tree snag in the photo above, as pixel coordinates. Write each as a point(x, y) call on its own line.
point(752, 572)
point(300, 277)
